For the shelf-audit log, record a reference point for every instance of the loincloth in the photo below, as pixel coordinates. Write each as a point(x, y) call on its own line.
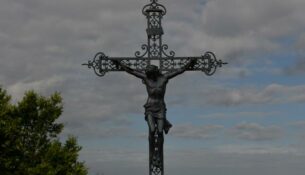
point(157, 115)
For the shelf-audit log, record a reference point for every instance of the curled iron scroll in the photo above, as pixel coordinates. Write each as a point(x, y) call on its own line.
point(138, 54)
point(210, 63)
point(96, 64)
point(164, 48)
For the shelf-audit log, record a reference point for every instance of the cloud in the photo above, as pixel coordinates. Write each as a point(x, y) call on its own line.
point(241, 17)
point(115, 161)
point(298, 68)
point(300, 44)
point(256, 132)
point(219, 95)
point(239, 29)
point(299, 127)
point(97, 131)
point(41, 86)
point(303, 137)
point(235, 72)
point(189, 131)
point(253, 149)
point(239, 114)
point(271, 94)
point(223, 159)
point(298, 124)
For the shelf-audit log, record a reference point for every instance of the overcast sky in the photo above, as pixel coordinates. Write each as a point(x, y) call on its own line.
point(248, 118)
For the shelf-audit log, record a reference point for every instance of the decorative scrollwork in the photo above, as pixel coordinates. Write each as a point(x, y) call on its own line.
point(171, 54)
point(156, 154)
point(101, 64)
point(96, 64)
point(154, 6)
point(154, 50)
point(209, 63)
point(144, 48)
point(137, 64)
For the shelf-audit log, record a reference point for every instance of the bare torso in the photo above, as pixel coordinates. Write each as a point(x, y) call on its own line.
point(156, 92)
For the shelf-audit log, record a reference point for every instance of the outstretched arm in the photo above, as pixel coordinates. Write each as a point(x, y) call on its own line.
point(170, 75)
point(129, 70)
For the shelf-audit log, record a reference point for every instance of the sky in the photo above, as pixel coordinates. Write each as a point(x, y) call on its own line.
point(248, 118)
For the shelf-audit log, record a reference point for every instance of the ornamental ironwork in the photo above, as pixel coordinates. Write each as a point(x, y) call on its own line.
point(155, 77)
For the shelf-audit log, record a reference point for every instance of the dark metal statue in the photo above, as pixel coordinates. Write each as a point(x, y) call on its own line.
point(155, 78)
point(155, 108)
point(155, 81)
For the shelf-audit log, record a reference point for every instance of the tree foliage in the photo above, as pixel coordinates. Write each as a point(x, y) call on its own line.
point(29, 142)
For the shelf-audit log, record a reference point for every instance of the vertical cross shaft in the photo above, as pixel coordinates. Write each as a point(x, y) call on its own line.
point(154, 30)
point(154, 13)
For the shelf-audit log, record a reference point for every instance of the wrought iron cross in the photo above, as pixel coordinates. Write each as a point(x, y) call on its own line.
point(155, 49)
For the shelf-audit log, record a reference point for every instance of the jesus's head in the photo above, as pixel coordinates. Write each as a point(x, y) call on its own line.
point(152, 72)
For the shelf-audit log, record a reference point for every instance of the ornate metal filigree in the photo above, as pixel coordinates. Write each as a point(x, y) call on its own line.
point(101, 64)
point(155, 156)
point(154, 13)
point(96, 64)
point(207, 63)
point(138, 54)
point(154, 6)
point(164, 48)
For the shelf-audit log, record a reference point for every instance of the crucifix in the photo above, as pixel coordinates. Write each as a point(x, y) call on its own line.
point(155, 77)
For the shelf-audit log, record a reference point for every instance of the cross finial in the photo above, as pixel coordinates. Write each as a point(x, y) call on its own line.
point(154, 6)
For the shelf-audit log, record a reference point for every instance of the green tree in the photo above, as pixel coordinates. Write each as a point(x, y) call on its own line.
point(29, 143)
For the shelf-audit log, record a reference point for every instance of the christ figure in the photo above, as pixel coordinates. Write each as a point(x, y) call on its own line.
point(156, 81)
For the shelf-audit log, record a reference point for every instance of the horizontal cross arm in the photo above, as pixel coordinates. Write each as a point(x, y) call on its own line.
point(207, 63)
point(101, 64)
